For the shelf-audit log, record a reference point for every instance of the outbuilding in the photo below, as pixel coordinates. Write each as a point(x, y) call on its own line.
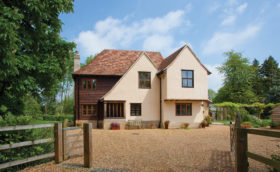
point(275, 114)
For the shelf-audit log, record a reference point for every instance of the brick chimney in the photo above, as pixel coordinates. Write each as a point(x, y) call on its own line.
point(76, 61)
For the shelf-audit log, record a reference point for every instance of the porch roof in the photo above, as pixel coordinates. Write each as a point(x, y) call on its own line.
point(188, 100)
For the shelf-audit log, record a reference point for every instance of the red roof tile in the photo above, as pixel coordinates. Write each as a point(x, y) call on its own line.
point(116, 62)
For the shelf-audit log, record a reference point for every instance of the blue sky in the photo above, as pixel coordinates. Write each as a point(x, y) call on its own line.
point(209, 27)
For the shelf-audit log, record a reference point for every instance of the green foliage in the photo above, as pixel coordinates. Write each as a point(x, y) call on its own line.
point(208, 119)
point(10, 137)
point(58, 117)
point(88, 59)
point(237, 86)
point(275, 157)
point(275, 124)
point(31, 106)
point(68, 106)
point(211, 94)
point(270, 73)
point(33, 55)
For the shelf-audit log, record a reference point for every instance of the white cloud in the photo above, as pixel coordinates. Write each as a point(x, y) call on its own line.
point(215, 80)
point(232, 2)
point(224, 41)
point(159, 42)
point(118, 33)
point(229, 20)
point(214, 7)
point(188, 8)
point(232, 13)
point(240, 9)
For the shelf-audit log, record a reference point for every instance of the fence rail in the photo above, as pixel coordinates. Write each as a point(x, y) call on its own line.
point(25, 127)
point(23, 161)
point(25, 143)
point(239, 146)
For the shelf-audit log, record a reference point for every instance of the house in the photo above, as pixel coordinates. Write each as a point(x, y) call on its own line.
point(275, 114)
point(123, 85)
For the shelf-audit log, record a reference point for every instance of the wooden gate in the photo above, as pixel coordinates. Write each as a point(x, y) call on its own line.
point(72, 142)
point(239, 146)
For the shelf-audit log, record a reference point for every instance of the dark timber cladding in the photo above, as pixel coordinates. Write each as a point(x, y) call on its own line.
point(91, 96)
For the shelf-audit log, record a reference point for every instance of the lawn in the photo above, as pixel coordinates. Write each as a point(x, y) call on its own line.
point(225, 122)
point(42, 122)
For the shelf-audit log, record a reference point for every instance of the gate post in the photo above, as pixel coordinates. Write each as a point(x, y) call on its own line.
point(64, 146)
point(241, 148)
point(58, 142)
point(88, 153)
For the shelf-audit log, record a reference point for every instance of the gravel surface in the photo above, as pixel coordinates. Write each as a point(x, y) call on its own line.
point(165, 150)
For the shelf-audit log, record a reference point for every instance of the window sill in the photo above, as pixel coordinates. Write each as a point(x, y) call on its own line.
point(114, 117)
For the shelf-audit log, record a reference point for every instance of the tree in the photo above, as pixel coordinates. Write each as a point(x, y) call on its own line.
point(33, 55)
point(256, 80)
point(238, 73)
point(211, 94)
point(89, 58)
point(270, 72)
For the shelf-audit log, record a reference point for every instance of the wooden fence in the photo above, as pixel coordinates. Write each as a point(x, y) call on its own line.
point(239, 146)
point(64, 144)
point(25, 143)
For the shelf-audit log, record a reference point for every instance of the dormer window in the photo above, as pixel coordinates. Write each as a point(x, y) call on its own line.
point(187, 78)
point(89, 84)
point(144, 79)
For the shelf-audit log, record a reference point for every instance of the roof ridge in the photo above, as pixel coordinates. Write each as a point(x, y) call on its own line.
point(131, 50)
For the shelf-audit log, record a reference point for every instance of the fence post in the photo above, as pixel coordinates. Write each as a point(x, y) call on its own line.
point(58, 142)
point(230, 135)
point(64, 146)
point(241, 148)
point(88, 153)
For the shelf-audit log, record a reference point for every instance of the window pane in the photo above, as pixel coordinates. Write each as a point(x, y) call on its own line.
point(89, 109)
point(183, 109)
point(135, 109)
point(84, 84)
point(94, 84)
point(184, 74)
point(147, 84)
point(177, 109)
point(84, 110)
point(190, 84)
point(189, 109)
point(185, 82)
point(141, 75)
point(148, 75)
point(89, 84)
point(144, 79)
point(189, 74)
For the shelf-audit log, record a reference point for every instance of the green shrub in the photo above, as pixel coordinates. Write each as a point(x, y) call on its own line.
point(208, 119)
point(186, 125)
point(58, 117)
point(68, 106)
point(31, 107)
point(275, 124)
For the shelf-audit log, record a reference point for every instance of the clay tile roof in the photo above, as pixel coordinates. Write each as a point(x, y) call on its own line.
point(169, 59)
point(116, 62)
point(164, 64)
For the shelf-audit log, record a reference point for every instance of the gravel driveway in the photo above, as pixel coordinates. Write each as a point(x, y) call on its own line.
point(165, 150)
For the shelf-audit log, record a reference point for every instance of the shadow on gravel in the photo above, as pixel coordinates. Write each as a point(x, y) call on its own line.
point(220, 161)
point(80, 167)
